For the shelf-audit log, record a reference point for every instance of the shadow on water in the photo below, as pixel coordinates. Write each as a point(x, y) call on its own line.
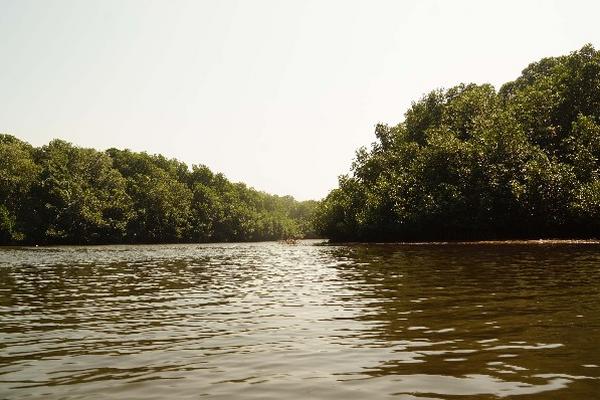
point(487, 313)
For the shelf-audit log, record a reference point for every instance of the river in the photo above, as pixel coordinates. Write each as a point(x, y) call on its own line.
point(304, 321)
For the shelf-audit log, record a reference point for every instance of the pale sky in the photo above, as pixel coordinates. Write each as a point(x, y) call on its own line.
point(277, 94)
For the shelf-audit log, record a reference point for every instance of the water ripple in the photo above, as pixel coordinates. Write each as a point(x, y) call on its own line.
point(267, 320)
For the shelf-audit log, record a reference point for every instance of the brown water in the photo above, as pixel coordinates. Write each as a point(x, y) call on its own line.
point(274, 321)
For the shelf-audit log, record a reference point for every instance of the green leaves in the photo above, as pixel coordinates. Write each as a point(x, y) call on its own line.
point(82, 198)
point(61, 193)
point(472, 163)
point(18, 175)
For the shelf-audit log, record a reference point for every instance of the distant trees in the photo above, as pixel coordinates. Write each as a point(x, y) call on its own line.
point(18, 176)
point(60, 193)
point(79, 197)
point(469, 162)
point(473, 163)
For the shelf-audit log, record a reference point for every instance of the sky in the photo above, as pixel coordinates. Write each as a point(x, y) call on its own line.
point(277, 94)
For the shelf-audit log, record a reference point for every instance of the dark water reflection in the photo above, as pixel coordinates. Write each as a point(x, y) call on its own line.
point(273, 321)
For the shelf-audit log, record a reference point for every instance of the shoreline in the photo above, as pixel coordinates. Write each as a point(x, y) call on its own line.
point(499, 242)
point(328, 242)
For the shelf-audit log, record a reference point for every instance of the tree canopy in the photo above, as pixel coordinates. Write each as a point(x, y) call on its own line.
point(471, 162)
point(61, 193)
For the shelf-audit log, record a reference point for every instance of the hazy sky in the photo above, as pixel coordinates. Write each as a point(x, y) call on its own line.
point(277, 94)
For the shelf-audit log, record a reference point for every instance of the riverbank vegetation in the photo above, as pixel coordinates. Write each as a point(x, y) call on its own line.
point(63, 194)
point(471, 162)
point(467, 163)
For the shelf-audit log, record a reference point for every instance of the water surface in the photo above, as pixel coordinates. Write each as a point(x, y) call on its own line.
point(274, 321)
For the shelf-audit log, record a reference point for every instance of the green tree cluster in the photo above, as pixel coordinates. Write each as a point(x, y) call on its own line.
point(64, 194)
point(471, 162)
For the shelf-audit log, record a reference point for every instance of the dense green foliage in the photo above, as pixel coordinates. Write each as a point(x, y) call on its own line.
point(61, 193)
point(475, 163)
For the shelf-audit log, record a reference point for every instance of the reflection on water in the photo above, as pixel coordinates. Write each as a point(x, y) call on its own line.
point(268, 320)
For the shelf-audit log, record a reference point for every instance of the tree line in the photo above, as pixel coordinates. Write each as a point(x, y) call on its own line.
point(63, 194)
point(472, 162)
